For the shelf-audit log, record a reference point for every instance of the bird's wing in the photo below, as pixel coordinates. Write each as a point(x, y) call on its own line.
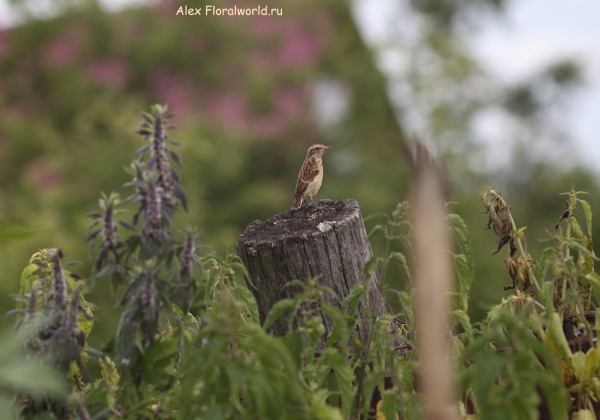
point(308, 172)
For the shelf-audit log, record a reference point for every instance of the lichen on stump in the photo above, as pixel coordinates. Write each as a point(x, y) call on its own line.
point(327, 239)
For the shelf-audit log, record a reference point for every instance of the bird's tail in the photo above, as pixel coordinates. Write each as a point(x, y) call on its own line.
point(297, 203)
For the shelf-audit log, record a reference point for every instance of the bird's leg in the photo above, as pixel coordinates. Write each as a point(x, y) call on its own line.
point(311, 199)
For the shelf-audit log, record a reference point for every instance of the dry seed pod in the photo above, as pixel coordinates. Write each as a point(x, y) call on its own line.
point(513, 270)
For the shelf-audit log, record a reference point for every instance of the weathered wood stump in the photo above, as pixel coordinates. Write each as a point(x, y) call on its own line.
point(327, 239)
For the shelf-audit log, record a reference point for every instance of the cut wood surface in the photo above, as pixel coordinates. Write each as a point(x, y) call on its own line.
point(327, 239)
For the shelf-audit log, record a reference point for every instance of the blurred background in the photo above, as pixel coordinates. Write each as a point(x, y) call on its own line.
point(505, 91)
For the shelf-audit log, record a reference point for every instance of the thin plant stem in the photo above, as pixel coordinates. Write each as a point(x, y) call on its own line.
point(567, 256)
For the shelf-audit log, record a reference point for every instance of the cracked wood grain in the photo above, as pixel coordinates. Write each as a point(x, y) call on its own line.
point(291, 246)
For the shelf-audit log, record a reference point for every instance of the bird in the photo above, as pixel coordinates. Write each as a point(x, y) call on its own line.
point(310, 176)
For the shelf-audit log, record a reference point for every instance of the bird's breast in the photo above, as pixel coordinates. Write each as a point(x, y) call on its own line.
point(314, 186)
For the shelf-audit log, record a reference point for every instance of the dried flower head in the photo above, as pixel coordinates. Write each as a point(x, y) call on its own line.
point(105, 226)
point(59, 285)
point(154, 129)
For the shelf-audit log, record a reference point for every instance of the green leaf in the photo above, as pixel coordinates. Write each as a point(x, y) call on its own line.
point(212, 277)
point(21, 374)
point(389, 404)
point(556, 340)
point(344, 378)
point(400, 259)
point(407, 303)
point(555, 396)
point(27, 278)
point(370, 267)
point(594, 279)
point(111, 379)
point(321, 411)
point(575, 229)
point(592, 363)
point(463, 319)
point(371, 380)
point(238, 375)
point(294, 342)
point(579, 365)
point(279, 309)
point(32, 376)
point(547, 261)
point(461, 234)
point(377, 228)
point(243, 293)
point(353, 298)
point(466, 277)
point(588, 214)
point(341, 329)
point(148, 117)
point(239, 267)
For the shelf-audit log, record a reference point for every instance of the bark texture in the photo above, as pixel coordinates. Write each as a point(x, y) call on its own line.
point(327, 239)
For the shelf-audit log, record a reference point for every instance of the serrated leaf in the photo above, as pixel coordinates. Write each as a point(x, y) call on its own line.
point(400, 259)
point(579, 365)
point(243, 293)
point(111, 378)
point(594, 279)
point(279, 309)
point(592, 363)
point(575, 229)
point(27, 278)
point(556, 340)
point(241, 268)
point(547, 296)
point(388, 406)
point(376, 229)
point(370, 267)
point(353, 298)
point(588, 214)
point(344, 378)
point(341, 329)
point(461, 234)
point(463, 319)
point(466, 277)
point(294, 342)
point(86, 321)
point(406, 302)
point(322, 411)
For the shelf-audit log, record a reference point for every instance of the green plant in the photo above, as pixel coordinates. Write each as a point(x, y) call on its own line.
point(189, 344)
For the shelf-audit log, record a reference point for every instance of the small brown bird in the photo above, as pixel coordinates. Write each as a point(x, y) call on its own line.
point(310, 176)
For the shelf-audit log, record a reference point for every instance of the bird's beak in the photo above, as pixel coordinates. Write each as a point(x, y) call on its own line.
point(327, 147)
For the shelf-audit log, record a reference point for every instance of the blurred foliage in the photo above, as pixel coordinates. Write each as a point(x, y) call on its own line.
point(25, 376)
point(189, 343)
point(252, 94)
point(242, 86)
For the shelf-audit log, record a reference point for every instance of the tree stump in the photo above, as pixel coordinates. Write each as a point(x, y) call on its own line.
point(327, 239)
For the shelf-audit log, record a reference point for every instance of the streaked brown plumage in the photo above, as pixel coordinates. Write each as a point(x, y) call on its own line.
point(310, 176)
